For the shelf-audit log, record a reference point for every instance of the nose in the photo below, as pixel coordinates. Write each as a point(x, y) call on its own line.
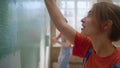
point(83, 20)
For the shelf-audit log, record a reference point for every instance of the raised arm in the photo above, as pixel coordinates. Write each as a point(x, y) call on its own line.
point(59, 20)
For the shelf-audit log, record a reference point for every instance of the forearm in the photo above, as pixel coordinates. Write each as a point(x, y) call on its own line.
point(55, 14)
point(59, 20)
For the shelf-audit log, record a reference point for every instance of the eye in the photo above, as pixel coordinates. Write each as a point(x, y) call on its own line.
point(89, 15)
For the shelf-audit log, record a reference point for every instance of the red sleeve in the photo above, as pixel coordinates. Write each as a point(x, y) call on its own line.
point(81, 45)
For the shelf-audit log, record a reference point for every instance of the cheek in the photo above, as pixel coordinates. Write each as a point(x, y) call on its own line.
point(93, 26)
point(90, 24)
point(95, 29)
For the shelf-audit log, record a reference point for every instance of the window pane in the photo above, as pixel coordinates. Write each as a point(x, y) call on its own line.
point(82, 13)
point(116, 2)
point(69, 12)
point(61, 4)
point(79, 24)
point(71, 21)
point(84, 4)
point(81, 4)
point(70, 4)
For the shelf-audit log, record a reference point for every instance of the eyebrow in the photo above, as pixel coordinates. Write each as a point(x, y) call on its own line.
point(90, 11)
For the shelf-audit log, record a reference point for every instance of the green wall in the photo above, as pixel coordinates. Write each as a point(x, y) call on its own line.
point(22, 26)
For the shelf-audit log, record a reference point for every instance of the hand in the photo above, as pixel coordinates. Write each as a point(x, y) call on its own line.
point(53, 40)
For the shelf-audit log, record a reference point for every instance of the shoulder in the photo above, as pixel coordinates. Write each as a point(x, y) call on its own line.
point(81, 39)
point(81, 45)
point(118, 51)
point(116, 60)
point(118, 55)
point(80, 36)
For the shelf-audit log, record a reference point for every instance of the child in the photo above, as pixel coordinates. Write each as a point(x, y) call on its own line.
point(65, 51)
point(101, 27)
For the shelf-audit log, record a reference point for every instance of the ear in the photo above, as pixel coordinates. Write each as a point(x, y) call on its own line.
point(107, 25)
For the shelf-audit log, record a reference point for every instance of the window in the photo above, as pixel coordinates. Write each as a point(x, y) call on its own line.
point(116, 2)
point(74, 11)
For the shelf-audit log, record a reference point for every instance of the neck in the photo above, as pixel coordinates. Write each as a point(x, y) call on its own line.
point(102, 46)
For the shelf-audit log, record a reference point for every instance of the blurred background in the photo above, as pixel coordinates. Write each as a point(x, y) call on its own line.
point(24, 34)
point(26, 29)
